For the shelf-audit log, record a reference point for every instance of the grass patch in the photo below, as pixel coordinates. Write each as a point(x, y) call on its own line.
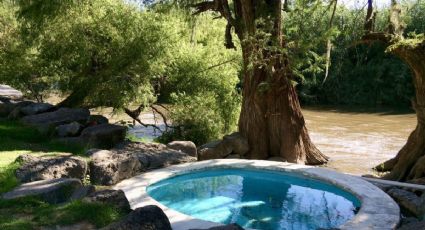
point(8, 179)
point(17, 139)
point(31, 213)
point(134, 138)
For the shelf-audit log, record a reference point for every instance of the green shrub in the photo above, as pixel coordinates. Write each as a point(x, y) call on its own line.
point(201, 118)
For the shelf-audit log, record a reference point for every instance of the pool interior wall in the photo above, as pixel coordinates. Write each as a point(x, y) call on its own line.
point(258, 199)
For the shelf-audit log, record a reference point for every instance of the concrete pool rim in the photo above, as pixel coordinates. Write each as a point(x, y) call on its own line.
point(378, 210)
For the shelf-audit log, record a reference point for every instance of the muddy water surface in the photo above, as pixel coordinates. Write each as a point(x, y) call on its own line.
point(357, 141)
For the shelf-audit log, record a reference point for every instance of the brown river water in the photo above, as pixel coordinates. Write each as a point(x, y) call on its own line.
point(358, 141)
point(355, 139)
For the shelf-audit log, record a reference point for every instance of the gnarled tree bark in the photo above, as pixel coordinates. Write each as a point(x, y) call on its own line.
point(271, 117)
point(409, 163)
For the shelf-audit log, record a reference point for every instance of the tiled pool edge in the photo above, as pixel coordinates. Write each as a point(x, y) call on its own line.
point(378, 210)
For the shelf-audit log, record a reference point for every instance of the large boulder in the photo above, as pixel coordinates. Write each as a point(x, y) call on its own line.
point(53, 191)
point(36, 108)
point(214, 150)
point(104, 135)
point(185, 146)
point(147, 218)
point(408, 201)
point(238, 143)
point(116, 198)
point(233, 144)
point(10, 93)
point(97, 120)
point(11, 108)
point(69, 130)
point(110, 167)
point(154, 155)
point(42, 168)
point(46, 122)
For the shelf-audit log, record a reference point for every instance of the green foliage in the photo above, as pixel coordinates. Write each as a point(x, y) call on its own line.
point(8, 179)
point(198, 118)
point(358, 75)
point(99, 52)
point(37, 213)
point(199, 79)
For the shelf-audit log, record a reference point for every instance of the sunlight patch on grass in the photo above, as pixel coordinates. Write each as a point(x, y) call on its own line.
point(32, 213)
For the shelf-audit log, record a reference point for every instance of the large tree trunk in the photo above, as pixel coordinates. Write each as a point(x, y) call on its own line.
point(271, 117)
point(410, 161)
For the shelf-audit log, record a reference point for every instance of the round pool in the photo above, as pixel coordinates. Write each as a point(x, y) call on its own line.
point(258, 199)
point(260, 194)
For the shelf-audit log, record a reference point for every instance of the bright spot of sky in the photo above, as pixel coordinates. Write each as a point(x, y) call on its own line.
point(361, 3)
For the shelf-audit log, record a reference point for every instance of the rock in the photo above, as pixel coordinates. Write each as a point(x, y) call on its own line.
point(280, 159)
point(185, 146)
point(413, 226)
point(147, 218)
point(154, 155)
point(420, 181)
point(104, 136)
point(116, 198)
point(237, 142)
point(231, 144)
point(93, 151)
point(46, 122)
point(6, 108)
point(224, 227)
point(53, 191)
point(234, 156)
point(83, 192)
point(36, 108)
point(108, 167)
point(408, 201)
point(43, 168)
point(214, 150)
point(12, 109)
point(10, 93)
point(69, 130)
point(26, 158)
point(97, 120)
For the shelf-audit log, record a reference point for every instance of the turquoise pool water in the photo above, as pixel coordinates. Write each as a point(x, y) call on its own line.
point(258, 199)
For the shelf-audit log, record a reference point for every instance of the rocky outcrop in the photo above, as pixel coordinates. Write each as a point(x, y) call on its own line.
point(36, 108)
point(53, 191)
point(409, 201)
point(238, 144)
point(11, 108)
point(47, 122)
point(116, 198)
point(110, 167)
point(97, 120)
point(187, 147)
point(154, 155)
point(224, 227)
point(104, 135)
point(147, 218)
point(42, 168)
point(69, 130)
point(230, 145)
